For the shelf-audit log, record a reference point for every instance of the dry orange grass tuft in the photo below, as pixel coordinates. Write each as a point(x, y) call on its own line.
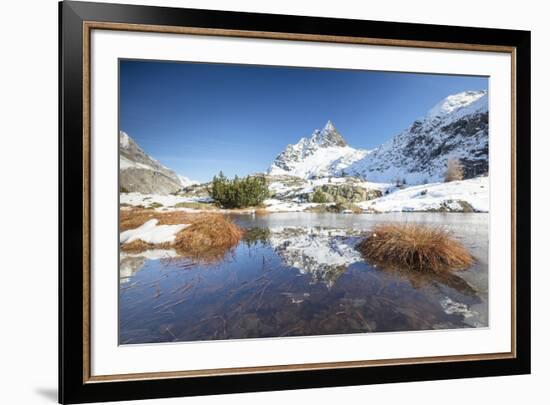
point(416, 247)
point(140, 246)
point(208, 238)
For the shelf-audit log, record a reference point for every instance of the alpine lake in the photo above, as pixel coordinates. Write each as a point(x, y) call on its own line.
point(299, 274)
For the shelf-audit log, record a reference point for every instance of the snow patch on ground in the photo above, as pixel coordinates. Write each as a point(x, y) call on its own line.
point(352, 181)
point(152, 233)
point(136, 199)
point(274, 205)
point(432, 196)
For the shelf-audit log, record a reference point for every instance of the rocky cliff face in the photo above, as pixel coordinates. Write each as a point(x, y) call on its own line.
point(142, 174)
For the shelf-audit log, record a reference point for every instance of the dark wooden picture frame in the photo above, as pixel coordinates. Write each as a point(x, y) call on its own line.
point(77, 19)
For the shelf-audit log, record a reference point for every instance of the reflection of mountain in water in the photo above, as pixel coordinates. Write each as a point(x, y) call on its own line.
point(129, 266)
point(323, 253)
point(131, 263)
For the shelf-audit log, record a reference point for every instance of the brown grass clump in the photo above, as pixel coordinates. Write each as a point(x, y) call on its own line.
point(208, 238)
point(139, 246)
point(134, 218)
point(415, 247)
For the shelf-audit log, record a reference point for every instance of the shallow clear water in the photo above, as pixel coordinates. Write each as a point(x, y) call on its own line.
point(298, 274)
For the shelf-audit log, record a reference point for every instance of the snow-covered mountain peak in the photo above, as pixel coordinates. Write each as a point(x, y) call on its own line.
point(320, 155)
point(328, 136)
point(455, 102)
point(329, 126)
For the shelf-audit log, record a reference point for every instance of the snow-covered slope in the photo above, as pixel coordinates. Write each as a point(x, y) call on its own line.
point(141, 173)
point(457, 127)
point(454, 196)
point(322, 154)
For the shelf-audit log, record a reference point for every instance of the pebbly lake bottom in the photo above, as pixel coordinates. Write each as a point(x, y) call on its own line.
point(298, 274)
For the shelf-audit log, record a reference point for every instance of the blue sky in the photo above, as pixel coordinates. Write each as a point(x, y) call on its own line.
point(198, 119)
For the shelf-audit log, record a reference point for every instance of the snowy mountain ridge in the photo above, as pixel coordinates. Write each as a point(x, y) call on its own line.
point(456, 127)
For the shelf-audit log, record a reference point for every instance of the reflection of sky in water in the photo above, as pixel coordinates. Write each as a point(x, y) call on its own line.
point(299, 275)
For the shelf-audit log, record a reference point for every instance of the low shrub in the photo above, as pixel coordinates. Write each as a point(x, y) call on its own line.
point(249, 191)
point(414, 246)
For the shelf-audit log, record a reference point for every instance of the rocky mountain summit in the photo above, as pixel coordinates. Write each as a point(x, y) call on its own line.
point(141, 173)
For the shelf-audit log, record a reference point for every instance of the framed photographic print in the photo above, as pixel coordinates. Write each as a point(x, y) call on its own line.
point(263, 202)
